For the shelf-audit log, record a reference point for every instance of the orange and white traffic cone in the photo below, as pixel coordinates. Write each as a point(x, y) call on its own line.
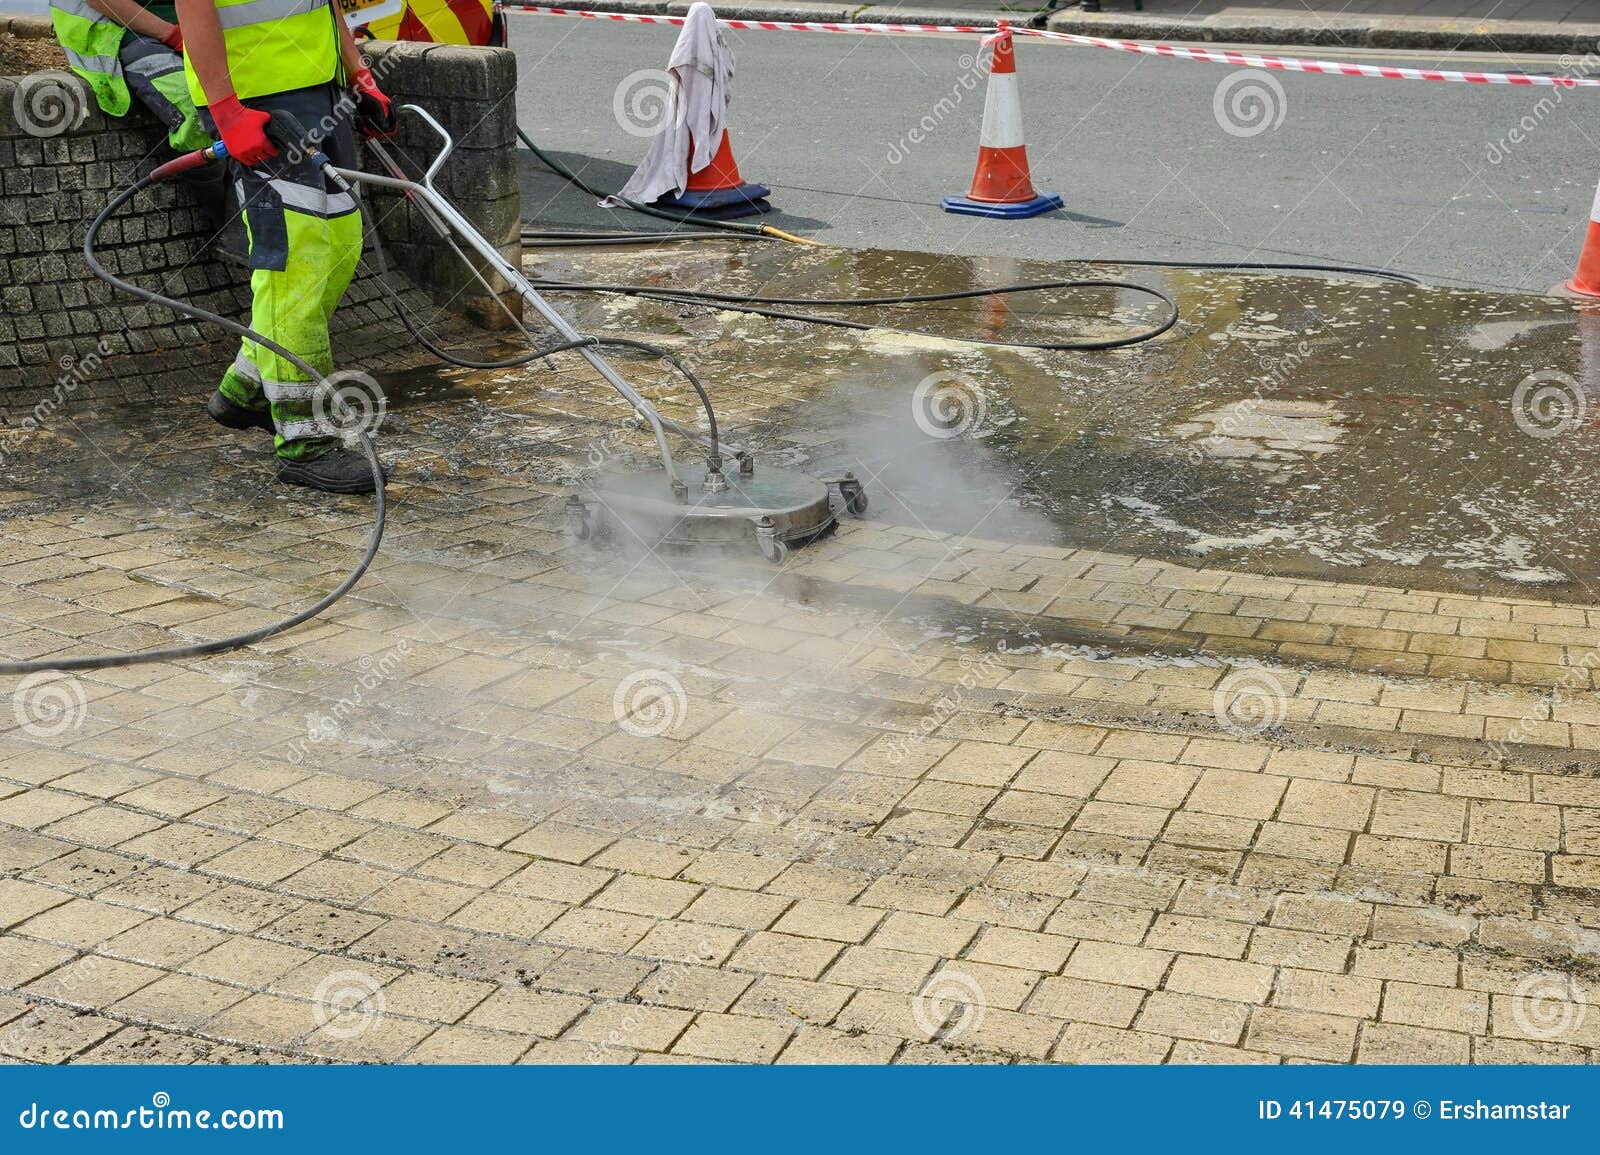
point(718, 190)
point(1586, 281)
point(1001, 186)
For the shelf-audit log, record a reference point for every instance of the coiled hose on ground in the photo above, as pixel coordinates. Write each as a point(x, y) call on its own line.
point(235, 641)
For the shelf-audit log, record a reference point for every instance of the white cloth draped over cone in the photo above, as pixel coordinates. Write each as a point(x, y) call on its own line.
point(701, 72)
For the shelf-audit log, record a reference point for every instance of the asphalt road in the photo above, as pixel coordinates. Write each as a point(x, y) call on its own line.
point(1380, 172)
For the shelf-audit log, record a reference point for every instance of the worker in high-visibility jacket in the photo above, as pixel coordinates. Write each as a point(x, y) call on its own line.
point(244, 60)
point(133, 48)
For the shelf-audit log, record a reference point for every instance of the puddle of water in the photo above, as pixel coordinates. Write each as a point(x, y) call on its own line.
point(1291, 424)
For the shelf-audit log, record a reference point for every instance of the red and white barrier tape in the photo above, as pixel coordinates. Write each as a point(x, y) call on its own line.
point(1176, 52)
point(1328, 67)
point(750, 25)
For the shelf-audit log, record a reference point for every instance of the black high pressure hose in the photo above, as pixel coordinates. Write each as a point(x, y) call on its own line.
point(380, 513)
point(236, 641)
point(745, 303)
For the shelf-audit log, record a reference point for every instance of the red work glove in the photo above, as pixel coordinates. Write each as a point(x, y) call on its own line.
point(244, 131)
point(174, 39)
point(375, 110)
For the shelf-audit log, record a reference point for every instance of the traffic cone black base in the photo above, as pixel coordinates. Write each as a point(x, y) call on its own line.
point(1042, 203)
point(747, 200)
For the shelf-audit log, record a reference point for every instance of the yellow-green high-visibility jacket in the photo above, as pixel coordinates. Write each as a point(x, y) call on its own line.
point(91, 40)
point(274, 46)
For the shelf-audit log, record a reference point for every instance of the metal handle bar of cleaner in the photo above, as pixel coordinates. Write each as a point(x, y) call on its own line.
point(711, 439)
point(172, 168)
point(441, 210)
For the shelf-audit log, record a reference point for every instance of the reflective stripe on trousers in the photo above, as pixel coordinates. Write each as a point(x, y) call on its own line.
point(274, 390)
point(317, 202)
point(79, 9)
point(306, 429)
point(304, 244)
point(153, 67)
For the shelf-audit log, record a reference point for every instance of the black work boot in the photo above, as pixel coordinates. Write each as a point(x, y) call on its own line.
point(337, 471)
point(225, 412)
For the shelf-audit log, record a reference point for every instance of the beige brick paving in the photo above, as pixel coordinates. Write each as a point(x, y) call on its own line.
point(417, 831)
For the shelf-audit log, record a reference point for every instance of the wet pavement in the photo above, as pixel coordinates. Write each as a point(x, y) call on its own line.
point(1292, 424)
point(1005, 770)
